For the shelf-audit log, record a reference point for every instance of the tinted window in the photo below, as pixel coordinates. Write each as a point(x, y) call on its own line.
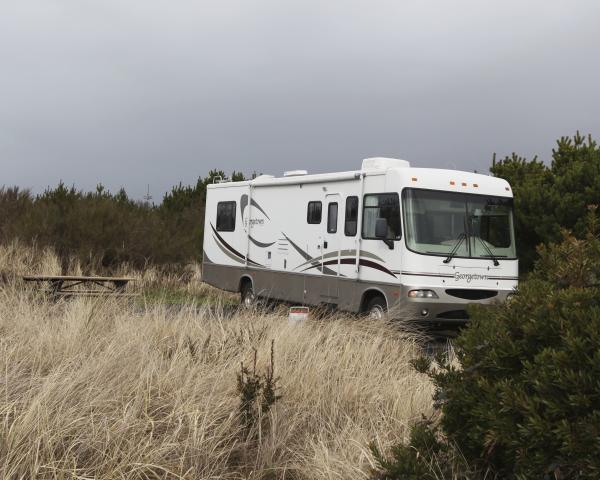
point(226, 216)
point(436, 221)
point(381, 205)
point(351, 216)
point(332, 215)
point(489, 219)
point(494, 229)
point(313, 214)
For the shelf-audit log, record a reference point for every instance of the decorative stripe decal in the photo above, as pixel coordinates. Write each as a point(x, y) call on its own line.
point(343, 253)
point(352, 261)
point(444, 275)
point(306, 256)
point(228, 253)
point(425, 274)
point(244, 204)
point(260, 244)
point(233, 250)
point(369, 263)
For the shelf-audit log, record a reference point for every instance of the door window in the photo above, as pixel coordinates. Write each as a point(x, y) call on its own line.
point(332, 217)
point(351, 220)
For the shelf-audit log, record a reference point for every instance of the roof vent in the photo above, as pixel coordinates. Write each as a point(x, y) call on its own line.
point(263, 177)
point(294, 173)
point(382, 163)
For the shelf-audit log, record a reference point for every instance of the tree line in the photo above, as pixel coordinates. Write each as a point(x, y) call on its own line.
point(106, 229)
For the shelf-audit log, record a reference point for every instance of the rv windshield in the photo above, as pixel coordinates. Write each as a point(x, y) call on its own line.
point(435, 222)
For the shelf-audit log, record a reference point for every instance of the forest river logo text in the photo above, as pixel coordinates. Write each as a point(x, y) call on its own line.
point(469, 276)
point(254, 222)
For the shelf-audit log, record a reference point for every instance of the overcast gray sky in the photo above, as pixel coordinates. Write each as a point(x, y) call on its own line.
point(131, 92)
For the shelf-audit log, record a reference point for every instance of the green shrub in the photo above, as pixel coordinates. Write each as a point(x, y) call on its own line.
point(525, 400)
point(426, 456)
point(257, 391)
point(551, 197)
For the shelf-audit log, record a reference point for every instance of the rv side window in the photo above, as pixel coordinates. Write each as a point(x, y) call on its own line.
point(381, 205)
point(332, 214)
point(313, 214)
point(226, 216)
point(351, 216)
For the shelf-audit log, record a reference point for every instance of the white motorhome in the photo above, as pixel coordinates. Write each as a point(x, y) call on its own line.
point(422, 241)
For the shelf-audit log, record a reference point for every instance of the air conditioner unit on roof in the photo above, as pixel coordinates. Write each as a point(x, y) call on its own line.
point(294, 173)
point(382, 163)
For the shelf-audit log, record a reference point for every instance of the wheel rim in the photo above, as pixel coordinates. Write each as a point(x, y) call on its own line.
point(376, 312)
point(249, 299)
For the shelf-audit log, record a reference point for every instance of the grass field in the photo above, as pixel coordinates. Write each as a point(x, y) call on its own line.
point(109, 388)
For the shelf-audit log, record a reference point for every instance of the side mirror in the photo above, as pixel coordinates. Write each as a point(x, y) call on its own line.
point(381, 227)
point(381, 232)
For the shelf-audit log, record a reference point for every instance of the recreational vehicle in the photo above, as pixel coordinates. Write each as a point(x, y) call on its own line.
point(420, 243)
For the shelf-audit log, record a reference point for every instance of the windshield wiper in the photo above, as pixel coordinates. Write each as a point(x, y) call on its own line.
point(459, 240)
point(490, 254)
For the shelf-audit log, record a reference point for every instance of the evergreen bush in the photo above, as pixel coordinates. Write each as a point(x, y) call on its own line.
point(551, 197)
point(257, 391)
point(525, 400)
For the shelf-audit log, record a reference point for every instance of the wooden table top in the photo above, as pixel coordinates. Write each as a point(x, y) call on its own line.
point(75, 278)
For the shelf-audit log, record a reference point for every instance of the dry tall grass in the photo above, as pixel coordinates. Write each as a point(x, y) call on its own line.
point(108, 389)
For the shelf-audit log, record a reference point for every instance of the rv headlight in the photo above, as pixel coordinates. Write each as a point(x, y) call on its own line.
point(422, 294)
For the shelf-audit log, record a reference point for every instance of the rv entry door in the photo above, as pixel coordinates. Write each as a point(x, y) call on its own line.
point(330, 248)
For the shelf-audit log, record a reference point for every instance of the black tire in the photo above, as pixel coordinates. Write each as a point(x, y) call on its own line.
point(376, 308)
point(247, 296)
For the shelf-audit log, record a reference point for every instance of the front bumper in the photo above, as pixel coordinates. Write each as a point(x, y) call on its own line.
point(445, 310)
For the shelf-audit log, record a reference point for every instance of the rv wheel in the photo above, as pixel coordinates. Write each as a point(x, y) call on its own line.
point(376, 308)
point(247, 295)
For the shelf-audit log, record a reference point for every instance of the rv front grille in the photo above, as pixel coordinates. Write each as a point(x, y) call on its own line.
point(454, 315)
point(471, 294)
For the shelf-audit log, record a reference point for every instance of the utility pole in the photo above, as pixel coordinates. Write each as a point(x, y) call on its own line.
point(148, 197)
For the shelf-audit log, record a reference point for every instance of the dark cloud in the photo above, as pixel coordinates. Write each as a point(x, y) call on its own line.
point(135, 92)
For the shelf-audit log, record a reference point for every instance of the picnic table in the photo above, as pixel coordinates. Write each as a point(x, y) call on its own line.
point(65, 285)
